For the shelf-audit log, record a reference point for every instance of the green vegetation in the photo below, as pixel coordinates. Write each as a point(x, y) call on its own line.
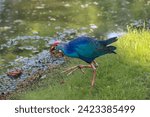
point(122, 76)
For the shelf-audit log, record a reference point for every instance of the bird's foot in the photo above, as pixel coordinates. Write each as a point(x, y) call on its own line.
point(93, 78)
point(73, 69)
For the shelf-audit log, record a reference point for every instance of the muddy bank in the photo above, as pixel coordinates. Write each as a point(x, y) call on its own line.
point(33, 66)
point(24, 84)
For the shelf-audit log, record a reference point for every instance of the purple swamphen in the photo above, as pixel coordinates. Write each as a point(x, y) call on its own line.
point(86, 49)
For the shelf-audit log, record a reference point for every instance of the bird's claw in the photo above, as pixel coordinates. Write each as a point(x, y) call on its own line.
point(81, 69)
point(67, 70)
point(71, 72)
point(73, 69)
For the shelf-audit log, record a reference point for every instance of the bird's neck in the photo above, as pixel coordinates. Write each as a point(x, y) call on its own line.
point(64, 48)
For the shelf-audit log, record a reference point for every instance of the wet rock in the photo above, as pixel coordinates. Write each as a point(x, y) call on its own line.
point(19, 21)
point(14, 73)
point(27, 48)
point(35, 32)
point(93, 26)
point(5, 28)
point(140, 24)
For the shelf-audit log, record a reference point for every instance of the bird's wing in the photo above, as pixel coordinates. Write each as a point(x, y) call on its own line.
point(89, 48)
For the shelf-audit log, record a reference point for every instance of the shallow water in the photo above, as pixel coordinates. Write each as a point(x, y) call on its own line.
point(27, 28)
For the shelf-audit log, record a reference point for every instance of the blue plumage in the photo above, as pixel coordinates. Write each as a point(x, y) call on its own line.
point(87, 48)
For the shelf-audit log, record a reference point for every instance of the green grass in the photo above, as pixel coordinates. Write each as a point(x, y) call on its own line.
point(122, 76)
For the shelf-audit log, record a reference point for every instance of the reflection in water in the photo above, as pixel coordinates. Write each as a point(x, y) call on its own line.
point(49, 16)
point(1, 5)
point(25, 26)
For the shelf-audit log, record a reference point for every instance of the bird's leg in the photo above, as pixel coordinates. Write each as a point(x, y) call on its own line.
point(72, 69)
point(94, 75)
point(95, 63)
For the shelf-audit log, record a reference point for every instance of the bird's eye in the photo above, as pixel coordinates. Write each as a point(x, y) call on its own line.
point(59, 51)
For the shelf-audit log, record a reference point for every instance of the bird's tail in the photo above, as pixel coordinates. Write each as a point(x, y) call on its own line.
point(111, 49)
point(110, 40)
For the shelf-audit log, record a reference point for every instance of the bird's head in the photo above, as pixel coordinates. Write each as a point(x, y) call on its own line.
point(56, 50)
